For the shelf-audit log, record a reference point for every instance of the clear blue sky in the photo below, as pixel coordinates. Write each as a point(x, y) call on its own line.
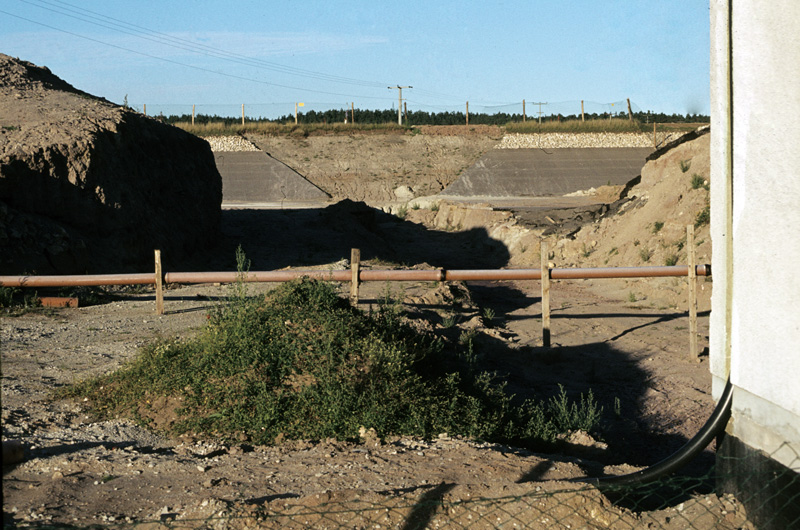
point(268, 54)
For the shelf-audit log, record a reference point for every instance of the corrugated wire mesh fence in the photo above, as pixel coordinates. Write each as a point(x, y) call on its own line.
point(768, 501)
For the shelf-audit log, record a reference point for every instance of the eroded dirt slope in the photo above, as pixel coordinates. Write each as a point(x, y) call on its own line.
point(380, 168)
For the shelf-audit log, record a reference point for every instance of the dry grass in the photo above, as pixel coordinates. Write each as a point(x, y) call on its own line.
point(285, 129)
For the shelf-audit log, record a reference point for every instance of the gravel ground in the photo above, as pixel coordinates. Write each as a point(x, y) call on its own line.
point(562, 140)
point(227, 144)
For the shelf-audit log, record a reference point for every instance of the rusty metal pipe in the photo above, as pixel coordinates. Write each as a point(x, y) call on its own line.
point(627, 272)
point(493, 274)
point(346, 276)
point(406, 275)
point(254, 276)
point(90, 280)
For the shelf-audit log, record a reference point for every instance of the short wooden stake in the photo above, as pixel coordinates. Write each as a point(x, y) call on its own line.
point(355, 266)
point(192, 114)
point(159, 285)
point(144, 109)
point(242, 114)
point(693, 354)
point(545, 297)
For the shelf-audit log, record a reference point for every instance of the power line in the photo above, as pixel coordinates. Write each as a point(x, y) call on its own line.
point(98, 19)
point(170, 61)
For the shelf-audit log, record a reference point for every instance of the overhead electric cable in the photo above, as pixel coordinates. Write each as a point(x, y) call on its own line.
point(72, 11)
point(184, 64)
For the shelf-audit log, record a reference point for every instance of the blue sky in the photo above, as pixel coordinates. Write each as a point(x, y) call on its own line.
point(170, 54)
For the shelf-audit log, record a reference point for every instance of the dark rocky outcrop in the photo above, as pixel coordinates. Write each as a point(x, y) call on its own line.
point(89, 186)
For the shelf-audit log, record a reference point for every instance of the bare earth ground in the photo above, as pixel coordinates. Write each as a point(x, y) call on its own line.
point(79, 471)
point(629, 350)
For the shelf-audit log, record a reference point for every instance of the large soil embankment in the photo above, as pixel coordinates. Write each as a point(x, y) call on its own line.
point(86, 185)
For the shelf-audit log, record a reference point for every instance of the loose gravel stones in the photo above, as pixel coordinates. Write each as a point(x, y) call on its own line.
point(561, 140)
point(221, 144)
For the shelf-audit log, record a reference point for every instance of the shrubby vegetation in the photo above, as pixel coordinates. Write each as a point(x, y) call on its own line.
point(15, 301)
point(301, 363)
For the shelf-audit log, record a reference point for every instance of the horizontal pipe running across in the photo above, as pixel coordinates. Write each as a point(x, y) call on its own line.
point(87, 280)
point(254, 276)
point(346, 276)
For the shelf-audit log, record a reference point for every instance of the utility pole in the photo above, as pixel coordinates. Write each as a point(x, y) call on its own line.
point(540, 103)
point(399, 102)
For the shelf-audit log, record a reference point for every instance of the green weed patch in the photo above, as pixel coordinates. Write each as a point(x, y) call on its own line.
point(301, 363)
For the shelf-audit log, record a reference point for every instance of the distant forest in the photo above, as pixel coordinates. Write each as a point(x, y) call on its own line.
point(433, 118)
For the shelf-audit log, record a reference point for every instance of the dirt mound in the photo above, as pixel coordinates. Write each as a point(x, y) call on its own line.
point(22, 75)
point(83, 178)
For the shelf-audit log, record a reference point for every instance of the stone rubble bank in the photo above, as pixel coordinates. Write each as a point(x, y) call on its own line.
point(562, 140)
point(227, 144)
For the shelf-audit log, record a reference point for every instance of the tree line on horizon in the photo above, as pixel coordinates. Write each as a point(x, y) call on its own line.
point(412, 118)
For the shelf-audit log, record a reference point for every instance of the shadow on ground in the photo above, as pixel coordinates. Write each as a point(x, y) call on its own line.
point(274, 239)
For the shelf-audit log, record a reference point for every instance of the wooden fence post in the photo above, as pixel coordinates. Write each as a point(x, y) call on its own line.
point(159, 285)
point(545, 297)
point(693, 354)
point(192, 114)
point(582, 117)
point(523, 111)
point(144, 109)
point(242, 114)
point(355, 266)
point(630, 112)
point(655, 144)
point(467, 112)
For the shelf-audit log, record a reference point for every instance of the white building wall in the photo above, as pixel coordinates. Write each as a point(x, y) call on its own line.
point(755, 224)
